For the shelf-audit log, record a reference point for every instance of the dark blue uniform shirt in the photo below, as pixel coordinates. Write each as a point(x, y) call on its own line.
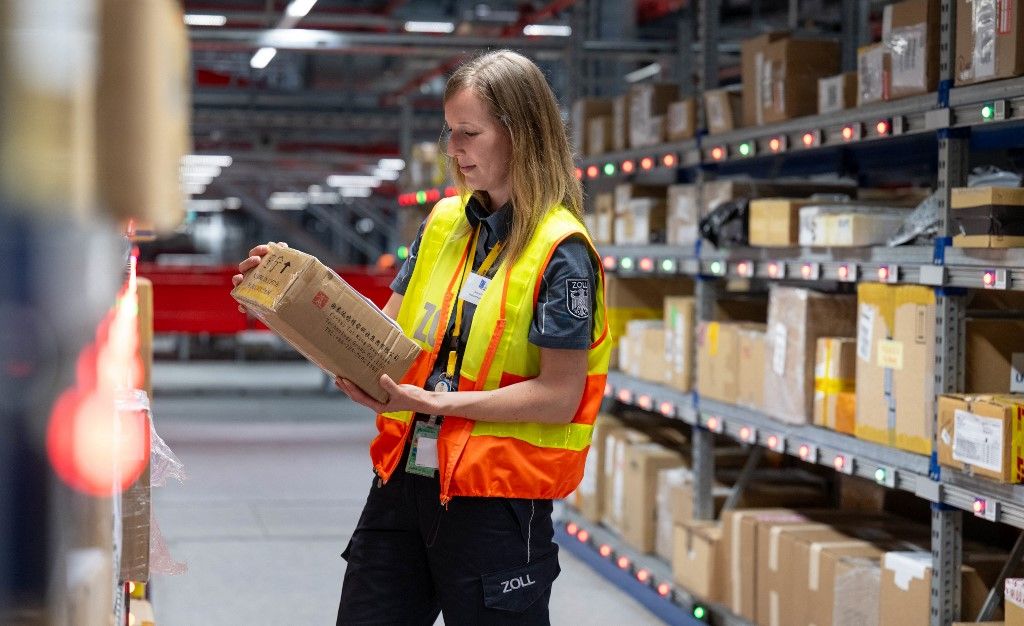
point(563, 316)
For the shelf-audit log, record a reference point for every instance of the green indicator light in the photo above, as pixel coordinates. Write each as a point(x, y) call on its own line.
point(626, 263)
point(987, 112)
point(402, 253)
point(716, 267)
point(880, 475)
point(745, 149)
point(609, 169)
point(668, 265)
point(699, 612)
point(421, 197)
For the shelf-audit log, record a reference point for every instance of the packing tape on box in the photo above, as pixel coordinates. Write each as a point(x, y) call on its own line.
point(906, 566)
point(773, 542)
point(814, 570)
point(736, 556)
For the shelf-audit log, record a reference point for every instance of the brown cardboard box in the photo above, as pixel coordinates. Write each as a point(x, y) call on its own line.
point(647, 101)
point(143, 110)
point(751, 367)
point(321, 316)
point(671, 485)
point(652, 364)
point(851, 230)
point(1013, 594)
point(589, 496)
point(643, 461)
point(796, 319)
point(906, 586)
point(718, 353)
point(638, 298)
point(874, 71)
point(835, 371)
point(620, 123)
point(995, 356)
point(837, 93)
point(616, 444)
point(145, 324)
point(788, 72)
point(679, 327)
point(910, 31)
point(683, 215)
point(989, 44)
point(775, 221)
point(912, 356)
point(876, 305)
point(604, 210)
point(985, 432)
point(988, 217)
point(584, 110)
point(842, 582)
point(696, 559)
point(681, 120)
point(722, 108)
point(632, 359)
point(642, 223)
point(775, 567)
point(718, 191)
point(599, 135)
point(627, 192)
point(751, 56)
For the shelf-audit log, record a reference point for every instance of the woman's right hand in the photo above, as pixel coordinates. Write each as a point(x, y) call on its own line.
point(255, 258)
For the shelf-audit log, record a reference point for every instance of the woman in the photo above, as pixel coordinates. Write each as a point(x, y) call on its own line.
point(503, 291)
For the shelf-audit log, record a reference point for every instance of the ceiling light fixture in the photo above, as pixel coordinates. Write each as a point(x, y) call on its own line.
point(349, 180)
point(196, 19)
point(648, 71)
point(299, 8)
point(262, 58)
point(547, 30)
point(391, 164)
point(429, 27)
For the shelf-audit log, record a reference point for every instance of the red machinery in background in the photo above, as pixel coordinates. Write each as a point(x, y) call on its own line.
point(197, 299)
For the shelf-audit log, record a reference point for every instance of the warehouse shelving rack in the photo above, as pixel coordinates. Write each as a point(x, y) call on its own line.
point(950, 124)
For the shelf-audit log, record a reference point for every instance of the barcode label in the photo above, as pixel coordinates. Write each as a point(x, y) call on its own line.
point(908, 46)
point(865, 328)
point(984, 55)
point(978, 440)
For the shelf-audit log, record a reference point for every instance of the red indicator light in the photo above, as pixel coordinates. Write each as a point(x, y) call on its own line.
point(666, 409)
point(625, 395)
point(978, 506)
point(579, 174)
point(847, 133)
point(882, 128)
point(664, 589)
point(669, 160)
point(712, 424)
point(647, 264)
point(883, 274)
point(450, 191)
point(744, 433)
point(583, 536)
point(572, 528)
point(643, 575)
point(773, 441)
point(805, 271)
point(592, 171)
point(623, 562)
point(605, 550)
point(433, 195)
point(775, 144)
point(608, 390)
point(718, 153)
point(628, 167)
point(644, 402)
point(844, 272)
point(773, 270)
point(609, 263)
point(808, 139)
point(742, 268)
point(839, 462)
point(989, 278)
point(805, 451)
point(646, 163)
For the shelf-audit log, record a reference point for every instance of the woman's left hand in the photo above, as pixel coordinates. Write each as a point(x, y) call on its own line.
point(400, 397)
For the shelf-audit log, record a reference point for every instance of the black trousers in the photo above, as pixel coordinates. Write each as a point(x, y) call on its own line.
point(476, 561)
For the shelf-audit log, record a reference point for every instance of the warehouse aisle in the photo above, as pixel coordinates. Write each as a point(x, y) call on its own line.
point(278, 473)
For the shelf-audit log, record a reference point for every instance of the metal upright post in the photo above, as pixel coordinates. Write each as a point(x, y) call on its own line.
point(855, 31)
point(684, 73)
point(708, 18)
point(707, 293)
point(947, 530)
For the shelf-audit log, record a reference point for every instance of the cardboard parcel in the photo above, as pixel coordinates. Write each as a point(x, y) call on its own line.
point(325, 319)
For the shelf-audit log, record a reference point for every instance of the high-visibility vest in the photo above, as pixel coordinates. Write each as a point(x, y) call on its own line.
point(499, 459)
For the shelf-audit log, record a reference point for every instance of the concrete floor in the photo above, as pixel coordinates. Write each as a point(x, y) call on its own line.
point(277, 475)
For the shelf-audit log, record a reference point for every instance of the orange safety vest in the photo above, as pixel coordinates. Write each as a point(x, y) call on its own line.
point(500, 459)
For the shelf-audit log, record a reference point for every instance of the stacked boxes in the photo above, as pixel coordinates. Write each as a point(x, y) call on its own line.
point(775, 221)
point(835, 364)
point(620, 123)
point(599, 135)
point(906, 585)
point(683, 215)
point(616, 443)
point(984, 433)
point(722, 107)
point(648, 104)
point(752, 351)
point(751, 59)
point(787, 77)
point(642, 462)
point(584, 110)
point(681, 120)
point(837, 93)
point(989, 41)
point(678, 348)
point(589, 496)
point(638, 299)
point(988, 217)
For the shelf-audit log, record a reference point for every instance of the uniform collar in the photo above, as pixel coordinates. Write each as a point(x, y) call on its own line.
point(497, 223)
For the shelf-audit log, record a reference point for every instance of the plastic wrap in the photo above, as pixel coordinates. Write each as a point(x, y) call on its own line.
point(160, 559)
point(983, 20)
point(164, 464)
point(135, 500)
point(857, 593)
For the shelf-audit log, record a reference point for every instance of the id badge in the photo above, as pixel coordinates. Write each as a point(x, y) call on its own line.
point(423, 453)
point(474, 288)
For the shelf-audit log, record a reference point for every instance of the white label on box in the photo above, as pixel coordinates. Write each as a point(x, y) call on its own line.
point(865, 327)
point(1014, 591)
point(909, 52)
point(978, 440)
point(779, 349)
point(983, 60)
point(716, 112)
point(871, 75)
point(1017, 372)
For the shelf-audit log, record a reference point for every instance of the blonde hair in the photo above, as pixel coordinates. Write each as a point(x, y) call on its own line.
point(541, 169)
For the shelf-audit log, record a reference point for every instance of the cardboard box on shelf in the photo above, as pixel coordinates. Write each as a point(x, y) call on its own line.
point(842, 582)
point(599, 135)
point(718, 360)
point(750, 392)
point(775, 221)
point(906, 585)
point(584, 110)
point(722, 108)
point(910, 31)
point(632, 359)
point(850, 230)
point(643, 461)
point(719, 191)
point(325, 319)
point(620, 123)
point(651, 362)
point(796, 319)
point(616, 443)
point(751, 56)
point(681, 120)
point(775, 579)
point(627, 192)
point(788, 73)
point(835, 372)
point(994, 356)
point(874, 69)
point(1013, 606)
point(988, 217)
point(683, 215)
point(604, 212)
point(984, 432)
point(989, 41)
point(639, 298)
point(875, 313)
point(667, 501)
point(589, 496)
point(646, 102)
point(642, 223)
point(837, 93)
point(679, 316)
point(696, 559)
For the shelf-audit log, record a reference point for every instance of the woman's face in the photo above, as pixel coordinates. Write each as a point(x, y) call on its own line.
point(479, 144)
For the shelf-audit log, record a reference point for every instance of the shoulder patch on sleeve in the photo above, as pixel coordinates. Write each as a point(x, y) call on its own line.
point(577, 297)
